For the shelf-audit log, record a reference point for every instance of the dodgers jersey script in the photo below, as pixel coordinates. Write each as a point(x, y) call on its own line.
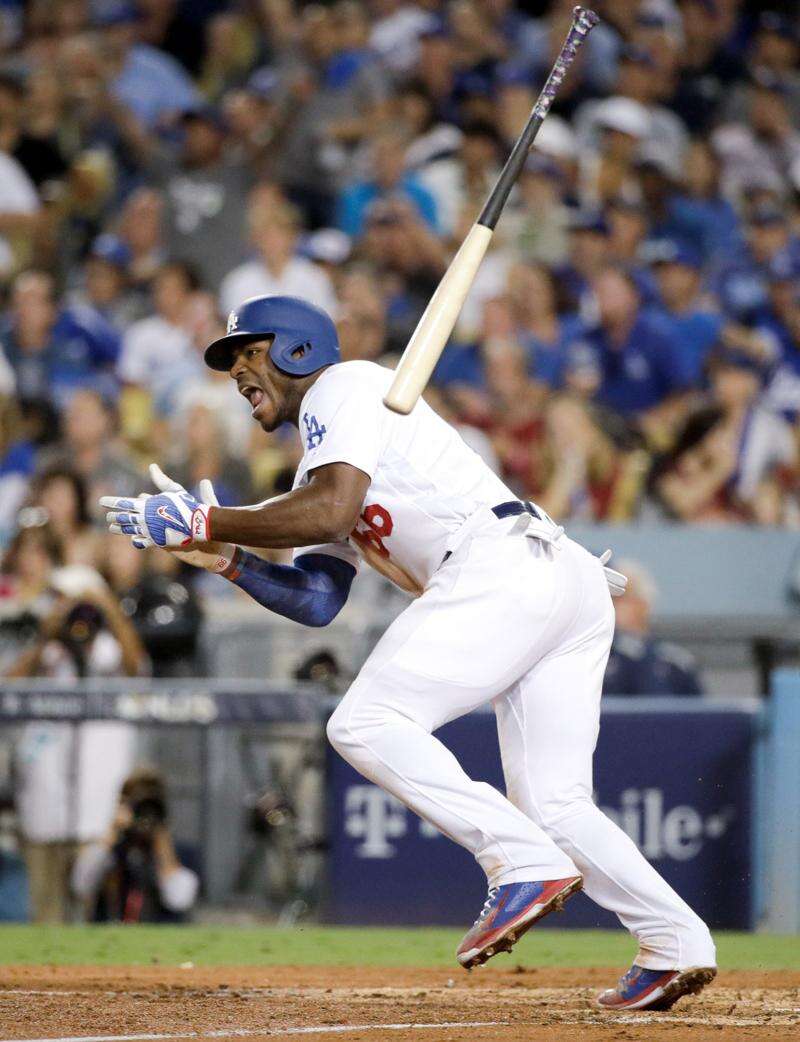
point(425, 481)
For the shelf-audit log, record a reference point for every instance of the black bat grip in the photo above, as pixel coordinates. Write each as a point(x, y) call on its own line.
point(583, 22)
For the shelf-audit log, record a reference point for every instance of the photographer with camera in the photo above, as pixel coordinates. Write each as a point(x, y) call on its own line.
point(134, 874)
point(67, 775)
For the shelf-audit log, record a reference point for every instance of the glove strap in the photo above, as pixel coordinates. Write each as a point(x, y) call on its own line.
point(200, 527)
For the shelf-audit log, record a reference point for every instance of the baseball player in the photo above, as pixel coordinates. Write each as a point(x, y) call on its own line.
point(508, 609)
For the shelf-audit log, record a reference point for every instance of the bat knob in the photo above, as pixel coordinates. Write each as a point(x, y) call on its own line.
point(584, 18)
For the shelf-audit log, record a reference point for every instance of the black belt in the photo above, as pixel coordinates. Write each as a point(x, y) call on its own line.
point(512, 508)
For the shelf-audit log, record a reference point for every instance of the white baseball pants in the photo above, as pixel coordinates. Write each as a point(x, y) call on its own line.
point(526, 624)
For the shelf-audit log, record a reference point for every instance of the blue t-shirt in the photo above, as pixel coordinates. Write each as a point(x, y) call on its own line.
point(153, 84)
point(709, 226)
point(692, 335)
point(82, 351)
point(640, 373)
point(356, 200)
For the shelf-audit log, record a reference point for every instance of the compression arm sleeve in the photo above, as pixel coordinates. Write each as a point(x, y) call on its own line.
point(311, 591)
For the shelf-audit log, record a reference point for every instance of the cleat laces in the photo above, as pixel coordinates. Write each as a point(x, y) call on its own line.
point(487, 905)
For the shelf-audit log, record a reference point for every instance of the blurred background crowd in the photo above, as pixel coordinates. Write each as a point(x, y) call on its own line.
point(630, 351)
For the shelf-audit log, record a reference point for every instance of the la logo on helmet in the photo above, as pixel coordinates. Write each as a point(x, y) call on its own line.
point(233, 322)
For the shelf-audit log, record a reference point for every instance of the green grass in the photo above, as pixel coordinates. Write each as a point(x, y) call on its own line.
point(341, 946)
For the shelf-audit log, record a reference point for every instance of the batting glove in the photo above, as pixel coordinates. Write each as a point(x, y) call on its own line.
point(171, 520)
point(617, 582)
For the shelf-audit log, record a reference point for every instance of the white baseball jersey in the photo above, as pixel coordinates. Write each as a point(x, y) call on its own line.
point(424, 480)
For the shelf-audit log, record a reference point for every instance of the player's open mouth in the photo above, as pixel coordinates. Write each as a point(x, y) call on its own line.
point(254, 395)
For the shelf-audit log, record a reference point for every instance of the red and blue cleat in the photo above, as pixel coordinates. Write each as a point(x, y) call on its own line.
point(655, 989)
point(509, 911)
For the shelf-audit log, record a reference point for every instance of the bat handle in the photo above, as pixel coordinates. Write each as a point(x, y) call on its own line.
point(583, 21)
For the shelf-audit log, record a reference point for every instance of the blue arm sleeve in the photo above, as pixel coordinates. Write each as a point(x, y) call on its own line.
point(312, 590)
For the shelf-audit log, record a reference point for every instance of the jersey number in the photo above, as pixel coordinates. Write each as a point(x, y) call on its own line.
point(379, 525)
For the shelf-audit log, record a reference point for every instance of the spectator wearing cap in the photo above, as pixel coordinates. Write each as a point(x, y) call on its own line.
point(598, 67)
point(639, 664)
point(204, 217)
point(587, 255)
point(459, 182)
point(539, 223)
point(150, 83)
point(692, 324)
point(396, 32)
point(742, 281)
point(619, 127)
point(141, 229)
point(106, 288)
point(663, 134)
point(696, 211)
point(628, 226)
point(761, 150)
point(53, 351)
point(388, 180)
point(774, 49)
point(639, 364)
point(157, 351)
point(254, 115)
point(277, 267)
point(338, 95)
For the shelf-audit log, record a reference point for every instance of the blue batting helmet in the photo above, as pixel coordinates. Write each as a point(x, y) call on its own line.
point(304, 336)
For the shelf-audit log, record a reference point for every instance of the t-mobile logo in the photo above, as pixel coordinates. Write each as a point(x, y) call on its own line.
point(372, 815)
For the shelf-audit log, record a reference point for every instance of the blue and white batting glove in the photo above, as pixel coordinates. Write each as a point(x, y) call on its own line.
point(216, 557)
point(173, 519)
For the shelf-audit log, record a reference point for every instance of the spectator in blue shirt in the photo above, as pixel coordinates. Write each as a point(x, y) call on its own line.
point(389, 180)
point(55, 353)
point(698, 214)
point(692, 326)
point(742, 283)
point(640, 368)
point(150, 83)
point(588, 255)
point(542, 332)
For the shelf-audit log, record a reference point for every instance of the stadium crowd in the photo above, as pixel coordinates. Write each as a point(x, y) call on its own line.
point(631, 348)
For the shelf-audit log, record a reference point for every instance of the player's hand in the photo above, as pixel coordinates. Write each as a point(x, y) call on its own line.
point(173, 520)
point(617, 582)
point(215, 557)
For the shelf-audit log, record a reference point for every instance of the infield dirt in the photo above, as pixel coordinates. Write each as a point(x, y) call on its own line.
point(524, 1004)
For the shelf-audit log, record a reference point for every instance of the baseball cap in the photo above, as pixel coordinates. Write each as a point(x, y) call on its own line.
point(637, 56)
point(111, 248)
point(767, 213)
point(209, 114)
point(729, 357)
point(588, 221)
point(263, 83)
point(624, 115)
point(326, 244)
point(115, 12)
point(543, 165)
point(673, 251)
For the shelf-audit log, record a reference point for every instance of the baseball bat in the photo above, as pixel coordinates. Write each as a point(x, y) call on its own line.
point(436, 324)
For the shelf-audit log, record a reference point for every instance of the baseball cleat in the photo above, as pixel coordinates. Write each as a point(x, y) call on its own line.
point(655, 989)
point(509, 911)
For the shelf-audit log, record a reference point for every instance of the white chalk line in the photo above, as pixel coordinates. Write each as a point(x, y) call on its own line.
point(328, 1029)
